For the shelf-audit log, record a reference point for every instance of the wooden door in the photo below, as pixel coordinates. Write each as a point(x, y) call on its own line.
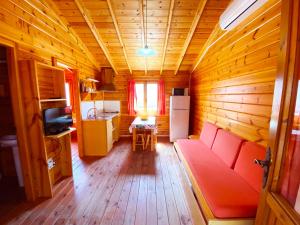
point(278, 203)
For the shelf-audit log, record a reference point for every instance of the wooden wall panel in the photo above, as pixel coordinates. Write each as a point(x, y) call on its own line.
point(233, 84)
point(41, 34)
point(120, 80)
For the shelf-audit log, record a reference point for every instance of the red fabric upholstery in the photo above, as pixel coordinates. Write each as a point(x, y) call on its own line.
point(227, 194)
point(227, 146)
point(208, 134)
point(246, 167)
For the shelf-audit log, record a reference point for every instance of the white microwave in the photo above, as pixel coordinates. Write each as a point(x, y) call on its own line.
point(180, 91)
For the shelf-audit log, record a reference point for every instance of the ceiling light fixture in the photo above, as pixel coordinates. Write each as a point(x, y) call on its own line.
point(146, 51)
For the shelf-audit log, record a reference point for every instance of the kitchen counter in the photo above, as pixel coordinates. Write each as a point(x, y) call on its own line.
point(104, 116)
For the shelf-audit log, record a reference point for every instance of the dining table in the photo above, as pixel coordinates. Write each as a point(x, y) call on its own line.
point(147, 124)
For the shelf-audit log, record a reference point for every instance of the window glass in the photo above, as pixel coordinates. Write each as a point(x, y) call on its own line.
point(139, 103)
point(152, 97)
point(67, 90)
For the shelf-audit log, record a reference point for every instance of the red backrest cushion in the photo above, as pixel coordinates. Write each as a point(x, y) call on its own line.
point(227, 146)
point(208, 134)
point(246, 167)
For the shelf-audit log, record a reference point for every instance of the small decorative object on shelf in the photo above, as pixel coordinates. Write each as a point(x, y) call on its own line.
point(88, 85)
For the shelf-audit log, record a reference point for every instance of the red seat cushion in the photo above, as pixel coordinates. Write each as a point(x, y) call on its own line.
point(227, 146)
point(208, 134)
point(227, 194)
point(246, 167)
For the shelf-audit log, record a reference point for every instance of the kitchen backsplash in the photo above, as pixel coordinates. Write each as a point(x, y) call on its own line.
point(101, 106)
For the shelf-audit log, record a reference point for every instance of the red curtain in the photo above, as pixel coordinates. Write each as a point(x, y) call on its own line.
point(131, 97)
point(161, 102)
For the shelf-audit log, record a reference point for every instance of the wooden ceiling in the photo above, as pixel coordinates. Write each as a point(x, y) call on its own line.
point(113, 30)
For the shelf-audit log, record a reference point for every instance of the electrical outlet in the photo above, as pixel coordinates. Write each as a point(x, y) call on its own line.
point(51, 163)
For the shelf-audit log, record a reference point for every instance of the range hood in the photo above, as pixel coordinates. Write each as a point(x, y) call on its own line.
point(107, 79)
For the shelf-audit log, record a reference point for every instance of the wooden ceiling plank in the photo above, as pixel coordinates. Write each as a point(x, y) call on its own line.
point(167, 35)
point(195, 22)
point(118, 33)
point(85, 14)
point(141, 6)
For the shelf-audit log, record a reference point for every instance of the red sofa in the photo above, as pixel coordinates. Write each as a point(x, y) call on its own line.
point(224, 177)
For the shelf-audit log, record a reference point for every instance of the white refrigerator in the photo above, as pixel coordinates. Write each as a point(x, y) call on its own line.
point(179, 117)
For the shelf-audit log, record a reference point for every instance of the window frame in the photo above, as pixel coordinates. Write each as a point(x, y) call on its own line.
point(145, 110)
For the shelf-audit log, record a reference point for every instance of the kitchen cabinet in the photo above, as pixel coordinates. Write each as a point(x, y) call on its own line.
point(99, 135)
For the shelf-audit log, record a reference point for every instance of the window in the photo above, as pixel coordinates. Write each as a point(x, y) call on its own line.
point(68, 97)
point(146, 97)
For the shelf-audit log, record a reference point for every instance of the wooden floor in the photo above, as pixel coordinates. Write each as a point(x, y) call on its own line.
point(123, 188)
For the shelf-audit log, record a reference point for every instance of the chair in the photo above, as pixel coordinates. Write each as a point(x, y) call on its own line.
point(139, 138)
point(148, 135)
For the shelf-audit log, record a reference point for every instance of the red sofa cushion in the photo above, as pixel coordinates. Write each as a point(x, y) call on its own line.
point(246, 167)
point(227, 146)
point(227, 194)
point(208, 134)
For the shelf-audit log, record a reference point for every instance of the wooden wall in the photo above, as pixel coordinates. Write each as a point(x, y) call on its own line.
point(171, 81)
point(233, 84)
point(41, 34)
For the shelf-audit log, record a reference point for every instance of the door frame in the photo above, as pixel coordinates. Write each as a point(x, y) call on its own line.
point(18, 113)
point(282, 115)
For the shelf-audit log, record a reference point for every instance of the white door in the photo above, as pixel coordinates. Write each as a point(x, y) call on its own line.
point(179, 124)
point(180, 102)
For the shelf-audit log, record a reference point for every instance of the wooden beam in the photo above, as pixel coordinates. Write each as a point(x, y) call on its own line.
point(141, 6)
point(118, 33)
point(167, 35)
point(88, 19)
point(196, 19)
point(62, 22)
point(208, 44)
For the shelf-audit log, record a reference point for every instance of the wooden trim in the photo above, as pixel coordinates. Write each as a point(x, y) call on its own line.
point(88, 19)
point(281, 103)
point(77, 101)
point(196, 19)
point(280, 207)
point(141, 7)
point(17, 105)
point(118, 33)
point(210, 218)
point(171, 9)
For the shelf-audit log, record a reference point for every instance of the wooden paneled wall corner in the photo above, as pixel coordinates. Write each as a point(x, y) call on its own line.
point(234, 82)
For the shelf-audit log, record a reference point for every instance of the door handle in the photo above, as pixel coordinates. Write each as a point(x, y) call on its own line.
point(265, 164)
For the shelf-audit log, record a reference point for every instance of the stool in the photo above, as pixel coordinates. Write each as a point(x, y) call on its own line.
point(138, 138)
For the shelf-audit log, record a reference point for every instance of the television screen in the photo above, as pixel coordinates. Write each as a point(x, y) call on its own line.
point(57, 120)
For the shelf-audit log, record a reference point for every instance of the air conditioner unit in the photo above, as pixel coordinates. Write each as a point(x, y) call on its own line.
point(237, 11)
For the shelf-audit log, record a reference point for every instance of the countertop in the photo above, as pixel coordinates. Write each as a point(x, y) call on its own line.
point(104, 116)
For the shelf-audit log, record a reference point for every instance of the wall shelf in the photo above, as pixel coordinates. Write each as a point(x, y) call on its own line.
point(62, 133)
point(53, 100)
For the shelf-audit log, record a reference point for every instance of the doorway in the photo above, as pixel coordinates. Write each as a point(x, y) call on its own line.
point(12, 189)
point(73, 101)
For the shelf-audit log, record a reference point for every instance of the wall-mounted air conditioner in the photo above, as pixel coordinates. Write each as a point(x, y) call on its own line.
point(237, 11)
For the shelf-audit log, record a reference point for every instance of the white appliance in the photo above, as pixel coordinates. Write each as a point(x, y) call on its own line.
point(179, 117)
point(237, 11)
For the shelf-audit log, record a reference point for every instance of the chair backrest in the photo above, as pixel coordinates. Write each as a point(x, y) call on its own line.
point(227, 146)
point(208, 134)
point(246, 167)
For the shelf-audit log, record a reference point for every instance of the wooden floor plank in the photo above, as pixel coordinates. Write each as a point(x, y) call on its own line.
point(125, 187)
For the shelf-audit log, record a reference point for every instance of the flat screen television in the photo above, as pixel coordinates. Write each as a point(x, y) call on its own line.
point(57, 120)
